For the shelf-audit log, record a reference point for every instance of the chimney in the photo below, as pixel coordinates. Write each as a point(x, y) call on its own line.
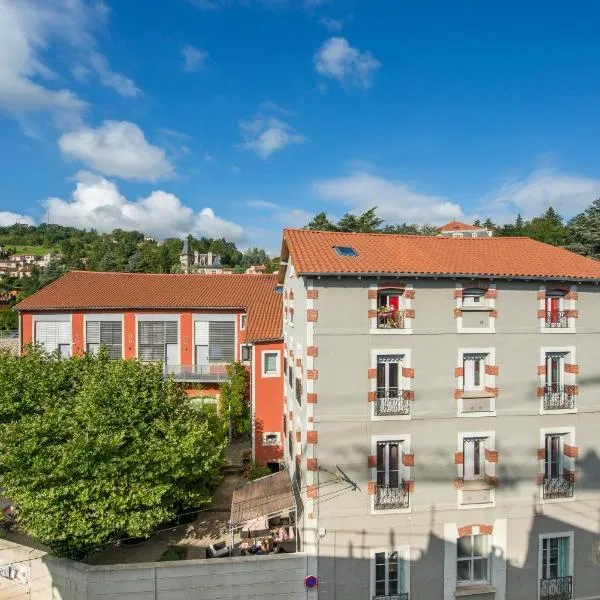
point(209, 261)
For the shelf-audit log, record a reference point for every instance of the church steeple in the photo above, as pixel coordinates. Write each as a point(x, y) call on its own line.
point(186, 258)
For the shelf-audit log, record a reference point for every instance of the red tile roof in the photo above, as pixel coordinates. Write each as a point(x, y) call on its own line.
point(458, 226)
point(87, 290)
point(313, 252)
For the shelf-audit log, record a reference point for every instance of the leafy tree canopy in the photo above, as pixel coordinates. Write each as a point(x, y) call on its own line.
point(94, 450)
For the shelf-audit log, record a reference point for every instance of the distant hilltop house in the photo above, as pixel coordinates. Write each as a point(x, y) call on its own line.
point(21, 265)
point(456, 229)
point(256, 270)
point(199, 263)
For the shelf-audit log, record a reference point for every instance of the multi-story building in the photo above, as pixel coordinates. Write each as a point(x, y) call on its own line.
point(194, 324)
point(201, 263)
point(457, 229)
point(442, 415)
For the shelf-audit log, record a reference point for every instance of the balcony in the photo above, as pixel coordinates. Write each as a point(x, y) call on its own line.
point(556, 319)
point(401, 596)
point(558, 487)
point(389, 498)
point(556, 398)
point(213, 372)
point(390, 319)
point(556, 588)
point(391, 402)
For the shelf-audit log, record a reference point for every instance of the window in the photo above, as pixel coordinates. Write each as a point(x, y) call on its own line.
point(158, 341)
point(473, 298)
point(291, 374)
point(556, 568)
point(457, 235)
point(390, 575)
point(105, 333)
point(214, 342)
point(270, 364)
point(555, 368)
point(388, 464)
point(390, 313)
point(555, 315)
point(285, 364)
point(271, 439)
point(558, 477)
point(346, 251)
point(298, 390)
point(243, 321)
point(473, 559)
point(246, 352)
point(554, 452)
point(54, 336)
point(389, 398)
point(474, 458)
point(474, 372)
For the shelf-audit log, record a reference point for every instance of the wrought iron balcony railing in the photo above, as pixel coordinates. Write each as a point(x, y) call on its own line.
point(556, 397)
point(391, 497)
point(558, 487)
point(556, 588)
point(209, 372)
point(401, 596)
point(391, 402)
point(390, 319)
point(556, 319)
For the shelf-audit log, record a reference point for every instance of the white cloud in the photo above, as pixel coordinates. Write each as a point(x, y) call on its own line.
point(124, 86)
point(331, 24)
point(10, 218)
point(27, 29)
point(117, 148)
point(193, 58)
point(396, 202)
point(266, 134)
point(338, 60)
point(97, 203)
point(531, 196)
point(286, 216)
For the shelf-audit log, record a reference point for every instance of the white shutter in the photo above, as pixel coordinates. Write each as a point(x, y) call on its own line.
point(51, 334)
point(221, 337)
point(152, 338)
point(201, 333)
point(92, 332)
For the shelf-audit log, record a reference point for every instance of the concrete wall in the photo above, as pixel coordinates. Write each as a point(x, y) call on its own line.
point(277, 577)
point(350, 532)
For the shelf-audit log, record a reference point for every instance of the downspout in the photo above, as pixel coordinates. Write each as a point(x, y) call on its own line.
point(252, 402)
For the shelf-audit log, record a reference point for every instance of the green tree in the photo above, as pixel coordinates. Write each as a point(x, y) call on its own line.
point(94, 450)
point(583, 231)
point(367, 222)
point(548, 228)
point(233, 402)
point(320, 222)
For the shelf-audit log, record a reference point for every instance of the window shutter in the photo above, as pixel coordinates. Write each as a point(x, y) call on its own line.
point(171, 332)
point(201, 333)
point(111, 335)
point(221, 346)
point(50, 334)
point(152, 337)
point(92, 332)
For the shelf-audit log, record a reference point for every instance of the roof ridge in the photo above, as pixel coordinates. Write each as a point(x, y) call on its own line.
point(412, 235)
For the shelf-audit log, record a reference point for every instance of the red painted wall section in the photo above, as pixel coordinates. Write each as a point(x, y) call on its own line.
point(241, 336)
point(268, 405)
point(130, 335)
point(186, 339)
point(77, 334)
point(26, 329)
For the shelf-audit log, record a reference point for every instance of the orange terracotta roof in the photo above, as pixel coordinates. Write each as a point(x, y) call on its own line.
point(458, 226)
point(312, 252)
point(87, 290)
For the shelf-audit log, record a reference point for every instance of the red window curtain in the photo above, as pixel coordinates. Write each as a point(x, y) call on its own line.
point(394, 302)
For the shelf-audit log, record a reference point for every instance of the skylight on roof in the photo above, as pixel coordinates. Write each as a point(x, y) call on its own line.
point(345, 251)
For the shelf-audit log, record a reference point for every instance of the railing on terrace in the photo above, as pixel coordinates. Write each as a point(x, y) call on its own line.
point(558, 487)
point(391, 497)
point(556, 319)
point(9, 335)
point(391, 402)
point(556, 398)
point(390, 319)
point(401, 596)
point(556, 588)
point(209, 372)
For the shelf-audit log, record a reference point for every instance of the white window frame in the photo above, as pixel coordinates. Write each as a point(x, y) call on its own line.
point(404, 473)
point(243, 319)
point(468, 299)
point(487, 306)
point(404, 552)
point(405, 304)
point(469, 362)
point(277, 372)
point(488, 556)
point(405, 383)
point(571, 557)
point(569, 356)
point(62, 318)
point(488, 381)
point(563, 305)
point(277, 441)
point(489, 468)
point(242, 346)
point(457, 234)
point(105, 317)
point(567, 436)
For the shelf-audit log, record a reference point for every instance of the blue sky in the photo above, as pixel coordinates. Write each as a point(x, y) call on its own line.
point(239, 117)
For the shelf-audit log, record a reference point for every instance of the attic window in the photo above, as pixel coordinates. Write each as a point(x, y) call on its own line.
point(347, 251)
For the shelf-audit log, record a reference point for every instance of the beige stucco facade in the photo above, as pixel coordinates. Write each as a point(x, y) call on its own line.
point(336, 342)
